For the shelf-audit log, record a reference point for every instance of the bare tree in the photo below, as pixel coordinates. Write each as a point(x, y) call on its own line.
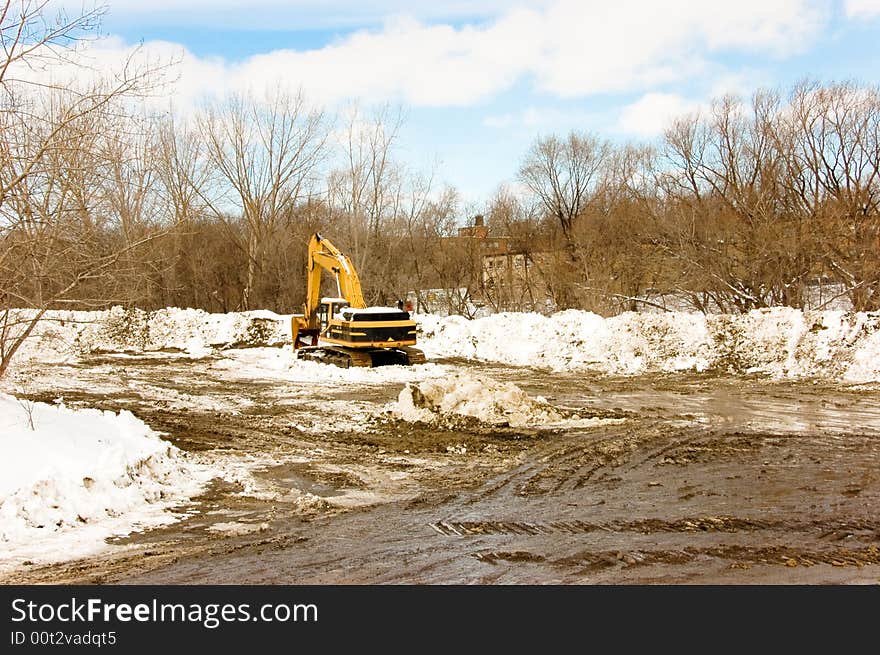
point(33, 38)
point(365, 187)
point(183, 173)
point(265, 152)
point(446, 267)
point(56, 241)
point(833, 160)
point(618, 262)
point(563, 173)
point(730, 226)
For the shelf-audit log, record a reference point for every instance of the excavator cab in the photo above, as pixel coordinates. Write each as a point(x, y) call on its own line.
point(307, 335)
point(328, 309)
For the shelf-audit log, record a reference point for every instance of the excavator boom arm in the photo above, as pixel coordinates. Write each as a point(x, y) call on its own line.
point(323, 255)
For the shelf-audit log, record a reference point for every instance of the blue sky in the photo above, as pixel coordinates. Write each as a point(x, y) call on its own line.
point(480, 80)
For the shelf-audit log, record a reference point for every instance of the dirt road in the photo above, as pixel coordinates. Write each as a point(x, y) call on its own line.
point(703, 479)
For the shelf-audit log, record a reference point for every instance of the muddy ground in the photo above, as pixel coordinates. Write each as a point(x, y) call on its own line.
point(706, 479)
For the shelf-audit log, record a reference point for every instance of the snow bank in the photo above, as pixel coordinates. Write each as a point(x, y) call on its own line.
point(71, 478)
point(780, 341)
point(62, 334)
point(445, 400)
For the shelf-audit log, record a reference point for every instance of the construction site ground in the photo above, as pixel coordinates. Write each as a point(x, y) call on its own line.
point(706, 479)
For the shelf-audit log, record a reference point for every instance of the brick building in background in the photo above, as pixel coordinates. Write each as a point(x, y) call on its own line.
point(511, 273)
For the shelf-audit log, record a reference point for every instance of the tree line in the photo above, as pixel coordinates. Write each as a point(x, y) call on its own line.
point(745, 204)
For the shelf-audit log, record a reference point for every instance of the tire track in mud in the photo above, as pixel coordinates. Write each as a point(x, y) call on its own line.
point(739, 557)
point(659, 497)
point(453, 527)
point(558, 474)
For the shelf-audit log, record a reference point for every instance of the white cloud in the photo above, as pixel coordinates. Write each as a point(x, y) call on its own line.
point(862, 8)
point(653, 112)
point(408, 61)
point(627, 44)
point(541, 118)
point(567, 48)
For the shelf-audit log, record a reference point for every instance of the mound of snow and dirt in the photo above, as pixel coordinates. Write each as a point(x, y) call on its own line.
point(71, 478)
point(447, 400)
point(62, 334)
point(780, 342)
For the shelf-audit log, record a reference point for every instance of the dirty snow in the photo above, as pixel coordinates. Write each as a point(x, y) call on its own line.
point(489, 401)
point(61, 335)
point(281, 364)
point(81, 476)
point(71, 478)
point(781, 342)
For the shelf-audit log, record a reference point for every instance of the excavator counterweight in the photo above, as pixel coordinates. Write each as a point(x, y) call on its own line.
point(342, 330)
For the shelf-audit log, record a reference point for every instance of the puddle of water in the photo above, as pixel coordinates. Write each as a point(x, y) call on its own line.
point(296, 475)
point(751, 410)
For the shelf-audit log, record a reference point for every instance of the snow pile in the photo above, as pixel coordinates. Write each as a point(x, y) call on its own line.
point(780, 341)
point(446, 400)
point(282, 364)
point(71, 478)
point(191, 329)
point(64, 333)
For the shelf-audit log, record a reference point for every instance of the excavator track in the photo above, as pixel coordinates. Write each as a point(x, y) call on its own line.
point(365, 358)
point(414, 355)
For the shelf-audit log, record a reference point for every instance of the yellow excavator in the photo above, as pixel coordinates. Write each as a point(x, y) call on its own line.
point(342, 330)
